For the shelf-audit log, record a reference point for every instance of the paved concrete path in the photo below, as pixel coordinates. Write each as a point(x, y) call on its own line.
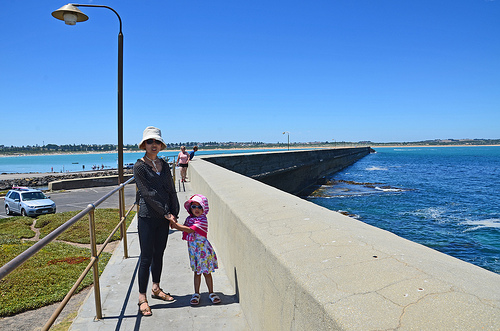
point(119, 292)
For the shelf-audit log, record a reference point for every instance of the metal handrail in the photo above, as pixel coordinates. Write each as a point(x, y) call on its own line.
point(94, 260)
point(21, 258)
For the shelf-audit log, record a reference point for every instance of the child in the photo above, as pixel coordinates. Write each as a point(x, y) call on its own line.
point(201, 254)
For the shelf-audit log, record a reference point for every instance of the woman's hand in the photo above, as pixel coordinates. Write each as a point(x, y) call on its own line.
point(172, 219)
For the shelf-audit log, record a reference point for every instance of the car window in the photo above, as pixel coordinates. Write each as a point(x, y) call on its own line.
point(33, 196)
point(14, 195)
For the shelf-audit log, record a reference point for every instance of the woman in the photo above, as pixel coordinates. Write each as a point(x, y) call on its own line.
point(182, 161)
point(158, 205)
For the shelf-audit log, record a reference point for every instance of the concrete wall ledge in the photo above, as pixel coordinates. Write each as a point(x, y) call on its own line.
point(299, 266)
point(68, 184)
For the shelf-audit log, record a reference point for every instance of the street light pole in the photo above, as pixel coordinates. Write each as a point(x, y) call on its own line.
point(70, 14)
point(288, 139)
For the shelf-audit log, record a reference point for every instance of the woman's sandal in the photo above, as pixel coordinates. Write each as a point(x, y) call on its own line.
point(214, 298)
point(146, 311)
point(160, 294)
point(195, 299)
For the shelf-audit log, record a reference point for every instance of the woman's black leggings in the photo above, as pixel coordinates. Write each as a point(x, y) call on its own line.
point(153, 235)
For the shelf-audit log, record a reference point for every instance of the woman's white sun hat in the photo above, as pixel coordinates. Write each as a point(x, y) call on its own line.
point(151, 133)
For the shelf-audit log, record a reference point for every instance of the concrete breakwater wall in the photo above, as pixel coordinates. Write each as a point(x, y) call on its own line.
point(299, 266)
point(294, 172)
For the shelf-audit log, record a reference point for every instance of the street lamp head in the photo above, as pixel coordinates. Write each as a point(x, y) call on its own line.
point(70, 14)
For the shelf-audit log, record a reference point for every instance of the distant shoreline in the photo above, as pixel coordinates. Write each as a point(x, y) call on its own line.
point(127, 151)
point(244, 148)
point(64, 153)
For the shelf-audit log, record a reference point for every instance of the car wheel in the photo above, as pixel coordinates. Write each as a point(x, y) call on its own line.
point(23, 212)
point(7, 210)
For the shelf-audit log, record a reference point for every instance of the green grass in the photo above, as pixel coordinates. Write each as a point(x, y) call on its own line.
point(15, 228)
point(47, 276)
point(105, 221)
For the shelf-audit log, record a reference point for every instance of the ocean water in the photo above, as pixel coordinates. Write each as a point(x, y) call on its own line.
point(76, 162)
point(446, 198)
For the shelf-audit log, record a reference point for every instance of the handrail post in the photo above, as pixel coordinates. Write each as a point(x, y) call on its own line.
point(137, 204)
point(95, 268)
point(123, 227)
point(173, 170)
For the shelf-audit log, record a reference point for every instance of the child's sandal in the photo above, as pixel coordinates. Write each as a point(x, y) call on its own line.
point(146, 311)
point(214, 298)
point(195, 299)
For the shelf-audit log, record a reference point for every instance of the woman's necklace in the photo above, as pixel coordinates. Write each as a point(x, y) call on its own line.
point(153, 162)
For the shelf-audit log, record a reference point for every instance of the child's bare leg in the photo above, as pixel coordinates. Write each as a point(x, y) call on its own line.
point(195, 299)
point(197, 282)
point(210, 282)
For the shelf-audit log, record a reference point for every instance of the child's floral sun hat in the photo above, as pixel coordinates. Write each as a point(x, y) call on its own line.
point(201, 199)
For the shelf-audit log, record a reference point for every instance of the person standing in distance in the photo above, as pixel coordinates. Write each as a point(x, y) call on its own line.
point(191, 154)
point(183, 161)
point(158, 206)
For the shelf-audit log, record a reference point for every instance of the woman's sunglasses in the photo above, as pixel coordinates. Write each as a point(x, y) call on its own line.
point(196, 207)
point(150, 141)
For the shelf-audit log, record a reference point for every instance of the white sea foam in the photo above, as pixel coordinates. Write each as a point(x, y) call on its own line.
point(407, 149)
point(373, 168)
point(388, 189)
point(432, 213)
point(488, 223)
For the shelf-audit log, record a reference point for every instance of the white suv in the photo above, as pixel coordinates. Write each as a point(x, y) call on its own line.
point(28, 202)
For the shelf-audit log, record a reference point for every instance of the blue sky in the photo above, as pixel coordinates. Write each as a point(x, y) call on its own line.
point(225, 70)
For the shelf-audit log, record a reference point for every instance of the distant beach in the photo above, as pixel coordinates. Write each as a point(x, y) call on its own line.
point(76, 162)
point(134, 151)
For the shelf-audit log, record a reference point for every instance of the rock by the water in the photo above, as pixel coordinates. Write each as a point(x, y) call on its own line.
point(37, 181)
